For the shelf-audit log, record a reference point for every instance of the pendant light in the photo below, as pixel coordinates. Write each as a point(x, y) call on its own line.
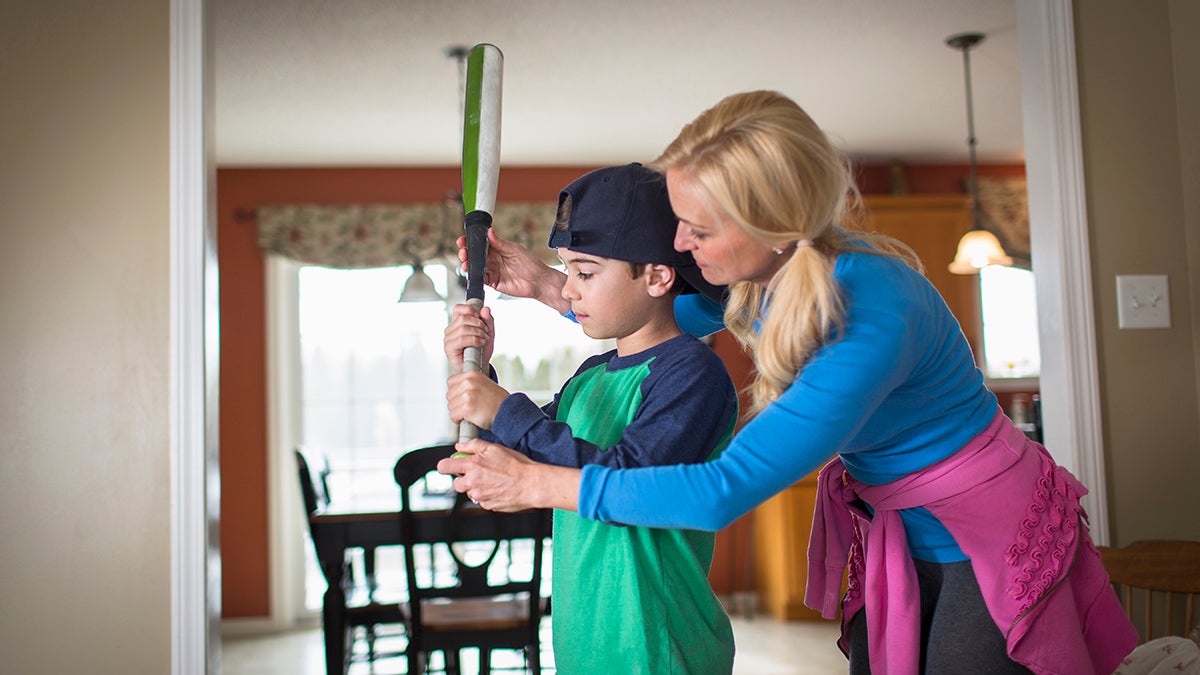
point(419, 287)
point(978, 248)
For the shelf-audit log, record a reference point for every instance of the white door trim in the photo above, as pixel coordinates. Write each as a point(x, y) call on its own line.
point(194, 340)
point(1070, 389)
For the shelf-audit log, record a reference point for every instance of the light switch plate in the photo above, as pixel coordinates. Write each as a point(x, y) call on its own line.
point(1143, 301)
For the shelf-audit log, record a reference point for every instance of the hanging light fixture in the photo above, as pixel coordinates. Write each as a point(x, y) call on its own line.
point(419, 287)
point(978, 248)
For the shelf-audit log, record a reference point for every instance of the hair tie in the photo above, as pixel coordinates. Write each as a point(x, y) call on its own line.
point(802, 243)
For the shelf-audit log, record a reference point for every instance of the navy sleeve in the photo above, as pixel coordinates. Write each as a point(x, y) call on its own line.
point(688, 409)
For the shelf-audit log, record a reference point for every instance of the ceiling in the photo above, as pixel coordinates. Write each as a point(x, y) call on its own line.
point(368, 83)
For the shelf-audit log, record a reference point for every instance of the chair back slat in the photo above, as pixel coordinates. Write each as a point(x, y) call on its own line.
point(492, 597)
point(1148, 570)
point(365, 606)
point(313, 469)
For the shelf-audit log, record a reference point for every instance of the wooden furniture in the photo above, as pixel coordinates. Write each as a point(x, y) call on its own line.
point(781, 527)
point(931, 225)
point(351, 602)
point(491, 597)
point(1147, 571)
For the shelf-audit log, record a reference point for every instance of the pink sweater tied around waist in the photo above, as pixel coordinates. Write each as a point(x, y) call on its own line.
point(1015, 513)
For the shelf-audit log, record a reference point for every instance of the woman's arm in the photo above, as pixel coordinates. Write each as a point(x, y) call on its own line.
point(699, 316)
point(815, 418)
point(500, 479)
point(513, 270)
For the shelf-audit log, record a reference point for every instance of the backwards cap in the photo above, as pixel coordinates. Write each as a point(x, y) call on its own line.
point(624, 213)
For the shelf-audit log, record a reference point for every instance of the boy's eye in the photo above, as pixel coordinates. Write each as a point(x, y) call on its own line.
point(584, 275)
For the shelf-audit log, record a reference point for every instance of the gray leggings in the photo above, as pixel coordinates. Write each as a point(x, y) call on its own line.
point(957, 632)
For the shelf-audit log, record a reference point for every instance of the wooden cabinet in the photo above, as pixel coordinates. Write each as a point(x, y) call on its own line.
point(781, 527)
point(932, 226)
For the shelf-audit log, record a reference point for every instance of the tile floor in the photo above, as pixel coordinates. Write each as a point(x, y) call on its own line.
point(765, 646)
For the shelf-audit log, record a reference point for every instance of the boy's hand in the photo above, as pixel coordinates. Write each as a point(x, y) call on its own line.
point(475, 398)
point(468, 329)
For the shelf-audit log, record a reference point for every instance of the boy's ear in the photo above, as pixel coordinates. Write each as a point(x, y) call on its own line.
point(659, 279)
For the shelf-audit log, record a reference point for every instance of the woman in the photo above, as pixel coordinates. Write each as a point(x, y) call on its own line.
point(966, 545)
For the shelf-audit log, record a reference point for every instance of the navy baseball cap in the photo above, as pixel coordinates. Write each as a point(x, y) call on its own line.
point(624, 213)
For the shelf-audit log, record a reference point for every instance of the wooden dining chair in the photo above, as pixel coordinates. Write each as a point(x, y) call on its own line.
point(367, 604)
point(474, 576)
point(1152, 570)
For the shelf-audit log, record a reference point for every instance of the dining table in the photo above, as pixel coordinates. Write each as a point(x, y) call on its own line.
point(369, 521)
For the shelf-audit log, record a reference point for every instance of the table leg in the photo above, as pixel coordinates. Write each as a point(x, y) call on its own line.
point(336, 631)
point(330, 543)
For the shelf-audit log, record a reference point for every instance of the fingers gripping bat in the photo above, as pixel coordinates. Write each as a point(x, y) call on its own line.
point(480, 174)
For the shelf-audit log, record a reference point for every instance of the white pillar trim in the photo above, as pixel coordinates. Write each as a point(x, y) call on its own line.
point(285, 430)
point(1070, 387)
point(194, 500)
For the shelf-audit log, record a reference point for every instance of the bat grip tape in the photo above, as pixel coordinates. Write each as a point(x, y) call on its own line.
point(477, 224)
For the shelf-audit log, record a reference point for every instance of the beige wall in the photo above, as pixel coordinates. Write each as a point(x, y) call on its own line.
point(84, 212)
point(1138, 79)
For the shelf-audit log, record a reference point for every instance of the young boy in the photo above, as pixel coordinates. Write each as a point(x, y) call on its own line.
point(626, 599)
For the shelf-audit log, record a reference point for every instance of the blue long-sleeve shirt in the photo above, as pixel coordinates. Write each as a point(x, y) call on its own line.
point(897, 392)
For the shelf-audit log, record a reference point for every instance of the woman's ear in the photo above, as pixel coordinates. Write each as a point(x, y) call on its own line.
point(659, 279)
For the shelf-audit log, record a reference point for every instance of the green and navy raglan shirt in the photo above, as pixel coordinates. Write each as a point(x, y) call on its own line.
point(632, 599)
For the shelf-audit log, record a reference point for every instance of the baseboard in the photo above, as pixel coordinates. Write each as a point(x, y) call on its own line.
point(260, 625)
point(740, 603)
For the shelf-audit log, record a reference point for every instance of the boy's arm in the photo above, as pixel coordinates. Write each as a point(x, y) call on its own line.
point(688, 409)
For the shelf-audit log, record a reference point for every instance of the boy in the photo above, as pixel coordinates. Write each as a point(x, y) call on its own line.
point(626, 599)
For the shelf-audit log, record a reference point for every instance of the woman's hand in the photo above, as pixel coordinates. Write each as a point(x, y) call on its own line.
point(513, 270)
point(468, 329)
point(500, 479)
point(474, 397)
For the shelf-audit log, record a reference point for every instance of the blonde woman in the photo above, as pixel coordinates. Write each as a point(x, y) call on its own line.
point(966, 545)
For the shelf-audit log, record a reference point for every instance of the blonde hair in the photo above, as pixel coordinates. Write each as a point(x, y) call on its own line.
point(764, 163)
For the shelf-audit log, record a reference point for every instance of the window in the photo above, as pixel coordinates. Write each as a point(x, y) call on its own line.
point(1010, 328)
point(373, 372)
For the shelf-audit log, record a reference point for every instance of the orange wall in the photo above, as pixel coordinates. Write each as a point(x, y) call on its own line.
point(243, 419)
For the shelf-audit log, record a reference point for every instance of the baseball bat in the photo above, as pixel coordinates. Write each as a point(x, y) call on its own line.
point(480, 174)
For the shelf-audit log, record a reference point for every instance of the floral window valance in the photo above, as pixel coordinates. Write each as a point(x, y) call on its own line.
point(384, 235)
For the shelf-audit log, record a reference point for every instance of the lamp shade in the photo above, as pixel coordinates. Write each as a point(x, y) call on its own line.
point(419, 288)
point(978, 249)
